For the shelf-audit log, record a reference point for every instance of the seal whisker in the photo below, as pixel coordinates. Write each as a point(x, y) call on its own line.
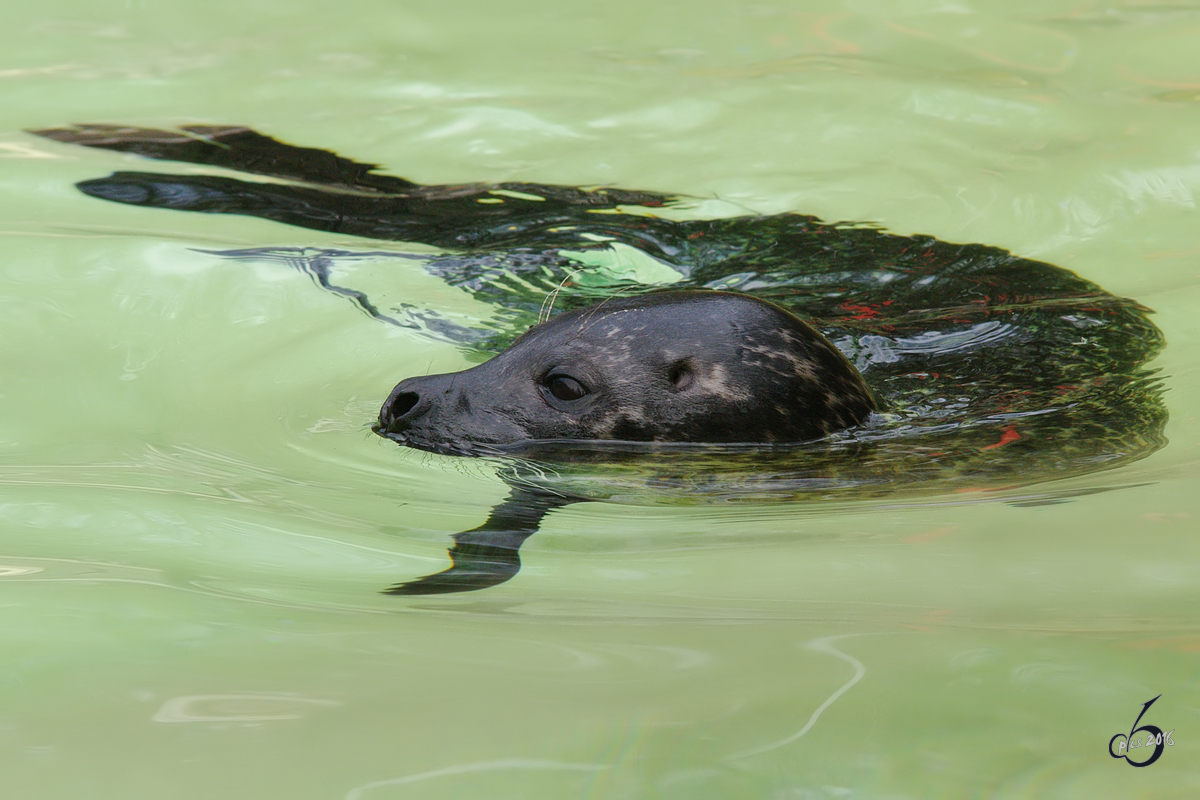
point(595, 309)
point(545, 311)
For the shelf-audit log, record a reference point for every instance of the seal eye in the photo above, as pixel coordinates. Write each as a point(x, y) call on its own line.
point(564, 387)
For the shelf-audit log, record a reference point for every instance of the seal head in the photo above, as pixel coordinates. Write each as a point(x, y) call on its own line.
point(674, 366)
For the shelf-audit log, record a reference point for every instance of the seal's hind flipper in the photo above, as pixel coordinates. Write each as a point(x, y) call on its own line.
point(451, 222)
point(243, 149)
point(303, 206)
point(488, 555)
point(326, 192)
point(233, 147)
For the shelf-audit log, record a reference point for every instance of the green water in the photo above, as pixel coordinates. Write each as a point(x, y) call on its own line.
point(195, 521)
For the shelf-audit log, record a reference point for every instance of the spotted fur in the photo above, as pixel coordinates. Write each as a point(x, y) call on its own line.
point(678, 366)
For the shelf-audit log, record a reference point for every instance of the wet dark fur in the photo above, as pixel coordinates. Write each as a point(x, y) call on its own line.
point(992, 368)
point(691, 366)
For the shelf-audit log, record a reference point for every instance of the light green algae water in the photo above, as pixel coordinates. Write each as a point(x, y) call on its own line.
point(195, 521)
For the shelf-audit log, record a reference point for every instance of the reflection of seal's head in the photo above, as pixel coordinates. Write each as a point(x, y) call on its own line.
point(676, 366)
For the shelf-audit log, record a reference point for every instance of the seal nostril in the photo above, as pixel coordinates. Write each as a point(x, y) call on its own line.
point(403, 403)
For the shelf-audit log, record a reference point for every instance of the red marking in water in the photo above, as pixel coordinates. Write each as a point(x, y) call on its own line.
point(696, 235)
point(1009, 436)
point(860, 311)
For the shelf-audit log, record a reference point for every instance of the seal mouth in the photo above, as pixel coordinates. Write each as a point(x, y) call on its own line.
point(380, 429)
point(391, 428)
point(401, 434)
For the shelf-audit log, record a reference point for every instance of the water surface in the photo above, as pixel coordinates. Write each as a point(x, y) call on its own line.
point(196, 521)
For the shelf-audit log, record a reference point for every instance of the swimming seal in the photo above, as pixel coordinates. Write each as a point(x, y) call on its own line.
point(675, 366)
point(991, 370)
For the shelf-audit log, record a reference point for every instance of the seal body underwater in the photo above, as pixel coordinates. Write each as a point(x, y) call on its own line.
point(989, 369)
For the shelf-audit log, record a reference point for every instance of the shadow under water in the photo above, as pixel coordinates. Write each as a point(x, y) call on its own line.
point(992, 370)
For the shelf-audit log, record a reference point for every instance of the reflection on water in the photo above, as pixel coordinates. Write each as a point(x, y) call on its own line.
point(487, 767)
point(821, 646)
point(10, 571)
point(246, 708)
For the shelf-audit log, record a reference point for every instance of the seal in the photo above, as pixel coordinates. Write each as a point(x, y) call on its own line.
point(989, 370)
point(674, 366)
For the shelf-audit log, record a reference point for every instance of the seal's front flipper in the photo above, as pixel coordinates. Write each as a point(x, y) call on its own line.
point(489, 555)
point(232, 147)
point(476, 565)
